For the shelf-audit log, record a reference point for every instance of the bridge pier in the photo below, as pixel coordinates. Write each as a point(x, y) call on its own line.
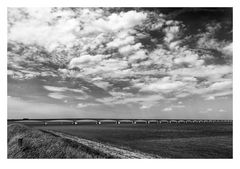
point(98, 122)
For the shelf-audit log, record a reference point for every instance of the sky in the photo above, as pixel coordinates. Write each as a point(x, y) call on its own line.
point(120, 63)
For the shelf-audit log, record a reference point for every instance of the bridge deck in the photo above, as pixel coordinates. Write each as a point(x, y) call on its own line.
point(118, 121)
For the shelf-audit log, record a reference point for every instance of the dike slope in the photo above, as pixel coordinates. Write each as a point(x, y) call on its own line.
point(26, 142)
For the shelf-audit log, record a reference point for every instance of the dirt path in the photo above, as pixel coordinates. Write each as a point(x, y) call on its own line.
point(107, 149)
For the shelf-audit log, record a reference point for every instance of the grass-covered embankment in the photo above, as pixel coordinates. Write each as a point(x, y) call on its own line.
point(25, 142)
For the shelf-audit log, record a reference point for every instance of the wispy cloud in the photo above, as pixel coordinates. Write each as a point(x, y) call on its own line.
point(57, 95)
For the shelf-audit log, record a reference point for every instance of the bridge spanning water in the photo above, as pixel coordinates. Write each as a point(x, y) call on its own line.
point(99, 121)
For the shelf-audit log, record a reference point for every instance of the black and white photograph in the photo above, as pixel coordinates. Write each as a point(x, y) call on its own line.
point(119, 82)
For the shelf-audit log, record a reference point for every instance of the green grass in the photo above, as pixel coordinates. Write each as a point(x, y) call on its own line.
point(39, 144)
point(166, 140)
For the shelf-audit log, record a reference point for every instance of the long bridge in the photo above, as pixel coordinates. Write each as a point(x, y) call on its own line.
point(99, 121)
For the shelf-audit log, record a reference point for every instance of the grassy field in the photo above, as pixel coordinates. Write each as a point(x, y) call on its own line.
point(203, 140)
point(26, 142)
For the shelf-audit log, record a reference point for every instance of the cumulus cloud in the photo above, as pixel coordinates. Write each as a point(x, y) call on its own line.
point(36, 29)
point(139, 55)
point(171, 33)
point(221, 85)
point(116, 22)
point(167, 109)
point(163, 85)
point(129, 49)
point(190, 59)
point(189, 79)
point(121, 42)
point(174, 45)
point(227, 50)
point(85, 60)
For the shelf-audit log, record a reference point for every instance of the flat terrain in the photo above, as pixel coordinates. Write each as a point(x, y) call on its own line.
point(197, 140)
point(26, 142)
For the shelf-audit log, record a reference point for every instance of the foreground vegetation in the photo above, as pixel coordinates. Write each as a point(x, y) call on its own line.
point(25, 142)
